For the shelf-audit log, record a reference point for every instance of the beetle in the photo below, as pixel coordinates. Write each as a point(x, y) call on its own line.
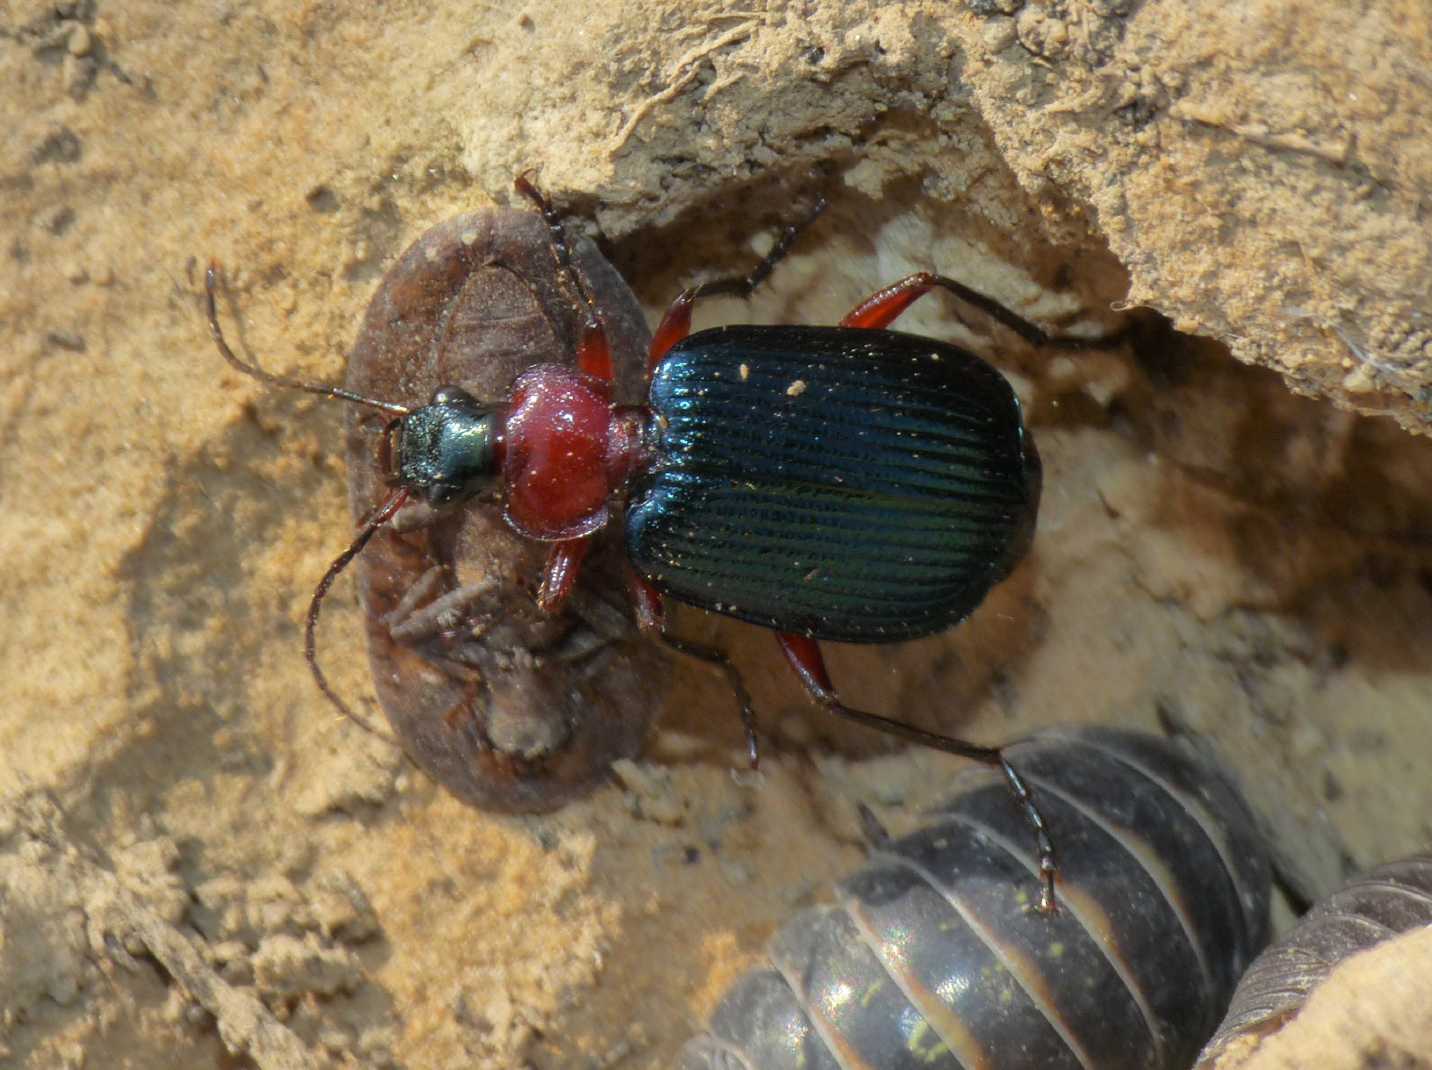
point(843, 483)
point(929, 958)
point(1376, 906)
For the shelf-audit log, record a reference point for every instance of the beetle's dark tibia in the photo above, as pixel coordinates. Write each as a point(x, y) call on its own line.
point(211, 308)
point(564, 562)
point(805, 658)
point(883, 307)
point(719, 660)
point(394, 502)
point(651, 619)
point(1025, 798)
point(676, 323)
point(594, 353)
point(745, 285)
point(560, 251)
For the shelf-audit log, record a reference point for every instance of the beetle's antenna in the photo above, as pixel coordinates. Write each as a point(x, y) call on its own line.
point(560, 252)
point(391, 505)
point(211, 285)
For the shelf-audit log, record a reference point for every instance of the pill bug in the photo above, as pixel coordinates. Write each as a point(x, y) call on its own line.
point(510, 708)
point(1377, 906)
point(932, 957)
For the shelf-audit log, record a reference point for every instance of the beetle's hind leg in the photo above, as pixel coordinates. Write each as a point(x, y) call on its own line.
point(719, 660)
point(676, 324)
point(805, 657)
point(651, 619)
point(883, 307)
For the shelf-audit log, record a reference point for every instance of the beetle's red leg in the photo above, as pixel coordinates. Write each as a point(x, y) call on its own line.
point(564, 562)
point(651, 619)
point(676, 324)
point(883, 307)
point(594, 353)
point(646, 601)
point(805, 657)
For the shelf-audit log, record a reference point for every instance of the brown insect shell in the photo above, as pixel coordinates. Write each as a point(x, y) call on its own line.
point(508, 708)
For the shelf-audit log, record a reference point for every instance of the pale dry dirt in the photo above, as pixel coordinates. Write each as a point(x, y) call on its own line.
point(197, 858)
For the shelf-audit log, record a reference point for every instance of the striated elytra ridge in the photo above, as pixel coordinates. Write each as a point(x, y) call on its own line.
point(864, 486)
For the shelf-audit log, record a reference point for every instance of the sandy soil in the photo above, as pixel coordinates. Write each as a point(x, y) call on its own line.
point(196, 856)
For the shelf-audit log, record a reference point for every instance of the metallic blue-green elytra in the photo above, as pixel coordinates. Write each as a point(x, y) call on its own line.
point(857, 485)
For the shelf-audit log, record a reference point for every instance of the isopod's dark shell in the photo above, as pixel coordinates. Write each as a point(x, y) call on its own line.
point(1390, 900)
point(857, 485)
point(933, 957)
point(508, 708)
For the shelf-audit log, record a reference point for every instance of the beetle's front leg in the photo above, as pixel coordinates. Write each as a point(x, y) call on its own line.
point(594, 351)
point(805, 658)
point(564, 564)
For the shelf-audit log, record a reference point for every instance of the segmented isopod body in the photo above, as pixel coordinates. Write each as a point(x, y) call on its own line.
point(510, 708)
point(933, 958)
point(1390, 900)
